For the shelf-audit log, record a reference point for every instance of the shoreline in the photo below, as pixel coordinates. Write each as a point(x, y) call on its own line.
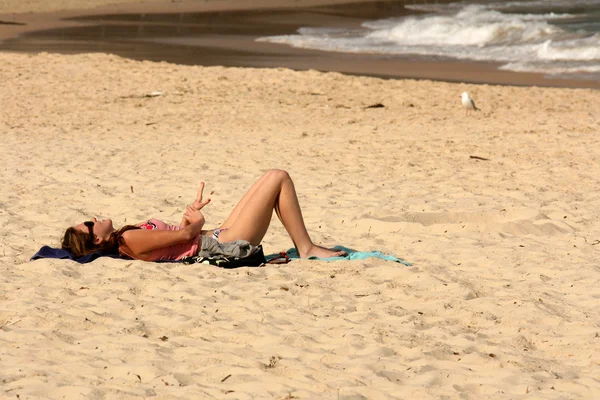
point(37, 18)
point(223, 33)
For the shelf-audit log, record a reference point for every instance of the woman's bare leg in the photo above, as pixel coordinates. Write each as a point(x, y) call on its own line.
point(240, 205)
point(275, 190)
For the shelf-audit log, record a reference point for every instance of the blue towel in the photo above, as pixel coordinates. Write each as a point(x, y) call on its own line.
point(51, 252)
point(352, 255)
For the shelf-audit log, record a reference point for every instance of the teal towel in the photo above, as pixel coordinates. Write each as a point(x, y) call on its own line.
point(352, 255)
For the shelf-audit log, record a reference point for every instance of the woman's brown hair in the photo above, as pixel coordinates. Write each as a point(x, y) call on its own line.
point(78, 242)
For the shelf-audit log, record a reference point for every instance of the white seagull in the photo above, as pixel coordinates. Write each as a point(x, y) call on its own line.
point(468, 103)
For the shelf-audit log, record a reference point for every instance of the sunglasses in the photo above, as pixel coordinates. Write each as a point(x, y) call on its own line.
point(90, 226)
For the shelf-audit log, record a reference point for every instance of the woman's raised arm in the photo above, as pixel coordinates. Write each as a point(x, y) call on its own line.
point(141, 242)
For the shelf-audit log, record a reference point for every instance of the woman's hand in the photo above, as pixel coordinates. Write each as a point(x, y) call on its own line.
point(198, 204)
point(194, 216)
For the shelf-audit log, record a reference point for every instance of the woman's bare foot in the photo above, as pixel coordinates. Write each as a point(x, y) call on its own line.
point(321, 252)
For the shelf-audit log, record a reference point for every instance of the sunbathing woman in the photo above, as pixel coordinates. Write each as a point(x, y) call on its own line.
point(155, 240)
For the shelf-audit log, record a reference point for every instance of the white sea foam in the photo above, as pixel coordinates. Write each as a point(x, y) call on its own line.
point(525, 36)
point(586, 49)
point(473, 26)
point(586, 72)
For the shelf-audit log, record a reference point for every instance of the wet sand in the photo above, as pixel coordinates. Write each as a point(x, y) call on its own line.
point(207, 35)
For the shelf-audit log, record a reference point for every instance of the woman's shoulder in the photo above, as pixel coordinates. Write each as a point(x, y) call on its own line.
point(131, 239)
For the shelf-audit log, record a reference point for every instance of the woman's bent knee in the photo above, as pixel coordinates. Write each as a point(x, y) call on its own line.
point(278, 174)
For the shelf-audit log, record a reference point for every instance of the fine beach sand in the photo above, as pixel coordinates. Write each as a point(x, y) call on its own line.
point(501, 301)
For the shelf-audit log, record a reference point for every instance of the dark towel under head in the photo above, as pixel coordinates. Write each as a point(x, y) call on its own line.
point(51, 252)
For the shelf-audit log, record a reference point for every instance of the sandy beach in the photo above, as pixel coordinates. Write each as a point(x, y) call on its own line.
point(498, 211)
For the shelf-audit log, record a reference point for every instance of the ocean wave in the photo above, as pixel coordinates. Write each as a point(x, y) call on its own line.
point(524, 38)
point(578, 50)
point(473, 26)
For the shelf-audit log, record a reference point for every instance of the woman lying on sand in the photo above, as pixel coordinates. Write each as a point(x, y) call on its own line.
point(153, 240)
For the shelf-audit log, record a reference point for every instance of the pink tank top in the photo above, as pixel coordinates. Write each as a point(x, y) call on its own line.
point(175, 252)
